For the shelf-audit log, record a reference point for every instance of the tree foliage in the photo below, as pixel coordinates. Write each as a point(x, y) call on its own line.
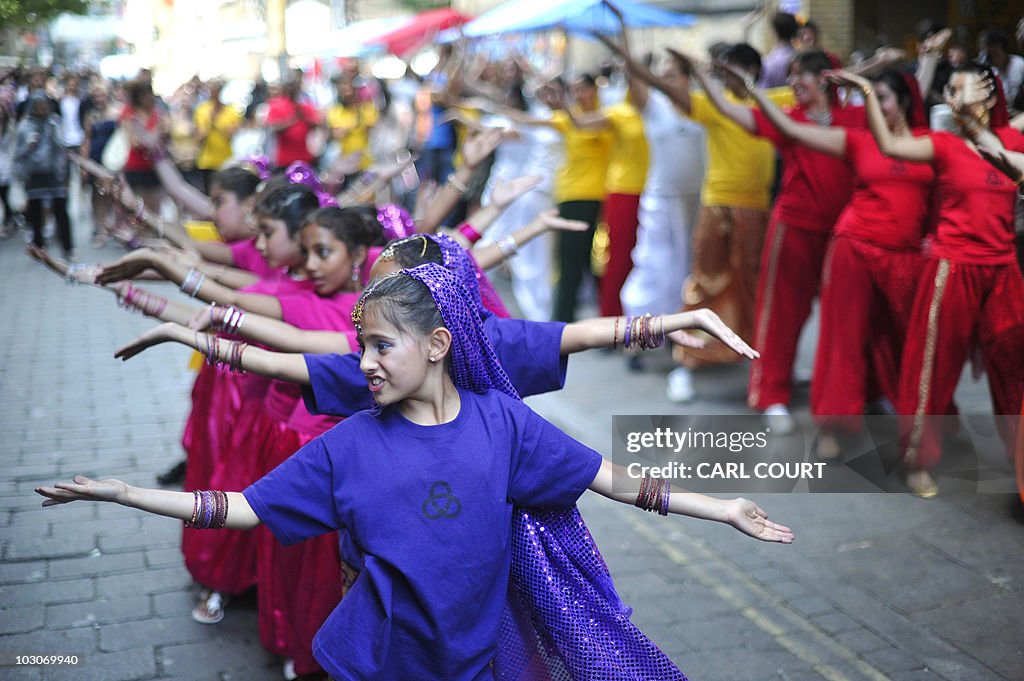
point(26, 12)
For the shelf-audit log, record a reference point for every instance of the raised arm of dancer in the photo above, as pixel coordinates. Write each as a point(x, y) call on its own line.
point(202, 287)
point(615, 483)
point(502, 196)
point(743, 116)
point(275, 333)
point(493, 254)
point(180, 505)
point(194, 201)
point(129, 296)
point(904, 147)
point(828, 140)
point(928, 59)
point(474, 151)
point(883, 58)
point(640, 74)
point(637, 87)
point(282, 366)
point(608, 332)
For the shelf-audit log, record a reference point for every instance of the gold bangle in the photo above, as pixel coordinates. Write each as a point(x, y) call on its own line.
point(867, 90)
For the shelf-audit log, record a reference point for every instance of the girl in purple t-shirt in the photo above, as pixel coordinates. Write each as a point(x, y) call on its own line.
point(450, 490)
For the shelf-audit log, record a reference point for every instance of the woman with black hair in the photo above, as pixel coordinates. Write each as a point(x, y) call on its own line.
point(971, 291)
point(874, 260)
point(815, 189)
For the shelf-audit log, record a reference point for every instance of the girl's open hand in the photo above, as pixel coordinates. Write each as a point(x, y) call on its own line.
point(749, 519)
point(505, 192)
point(82, 488)
point(155, 336)
point(550, 220)
point(711, 324)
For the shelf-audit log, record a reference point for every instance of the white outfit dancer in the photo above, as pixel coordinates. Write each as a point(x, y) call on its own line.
point(668, 209)
point(538, 151)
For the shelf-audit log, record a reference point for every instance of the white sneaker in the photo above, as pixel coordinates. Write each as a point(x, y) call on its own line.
point(779, 419)
point(289, 670)
point(680, 386)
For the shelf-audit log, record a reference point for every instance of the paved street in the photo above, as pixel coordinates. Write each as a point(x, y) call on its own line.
point(877, 586)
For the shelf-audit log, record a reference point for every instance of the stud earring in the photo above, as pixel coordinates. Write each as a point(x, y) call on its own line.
point(433, 359)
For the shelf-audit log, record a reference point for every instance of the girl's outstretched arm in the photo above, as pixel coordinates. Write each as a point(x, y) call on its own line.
point(905, 148)
point(493, 254)
point(613, 482)
point(269, 331)
point(609, 332)
point(128, 295)
point(282, 366)
point(191, 281)
point(828, 140)
point(180, 505)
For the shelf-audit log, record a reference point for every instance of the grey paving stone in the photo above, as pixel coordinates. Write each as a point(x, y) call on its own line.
point(99, 611)
point(39, 594)
point(963, 668)
point(33, 547)
point(150, 581)
point(97, 564)
point(158, 631)
point(861, 641)
point(970, 627)
point(25, 571)
point(81, 641)
point(136, 664)
point(15, 620)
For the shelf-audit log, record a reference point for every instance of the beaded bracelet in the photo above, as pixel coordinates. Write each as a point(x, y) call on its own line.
point(72, 272)
point(467, 230)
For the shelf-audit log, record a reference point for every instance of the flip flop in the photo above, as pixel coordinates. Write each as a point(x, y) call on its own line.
point(210, 609)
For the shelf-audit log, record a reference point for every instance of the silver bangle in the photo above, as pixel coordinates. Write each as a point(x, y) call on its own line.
point(508, 247)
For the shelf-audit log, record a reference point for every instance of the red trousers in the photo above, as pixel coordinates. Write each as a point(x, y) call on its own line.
point(620, 214)
point(791, 263)
point(958, 305)
point(867, 293)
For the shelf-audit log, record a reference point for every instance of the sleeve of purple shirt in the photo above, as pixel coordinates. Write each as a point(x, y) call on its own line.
point(530, 353)
point(336, 385)
point(296, 500)
point(549, 468)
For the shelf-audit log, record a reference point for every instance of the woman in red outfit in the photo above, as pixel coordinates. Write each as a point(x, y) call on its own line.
point(971, 291)
point(815, 189)
point(874, 260)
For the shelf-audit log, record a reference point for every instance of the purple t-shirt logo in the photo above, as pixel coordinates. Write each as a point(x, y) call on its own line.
point(441, 503)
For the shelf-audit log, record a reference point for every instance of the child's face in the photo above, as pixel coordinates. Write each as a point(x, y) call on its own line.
point(395, 363)
point(274, 244)
point(329, 264)
point(232, 217)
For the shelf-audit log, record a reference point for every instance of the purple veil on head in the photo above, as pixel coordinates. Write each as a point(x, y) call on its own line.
point(563, 620)
point(301, 172)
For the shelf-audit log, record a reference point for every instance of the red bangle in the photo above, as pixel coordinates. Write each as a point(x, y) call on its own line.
point(466, 230)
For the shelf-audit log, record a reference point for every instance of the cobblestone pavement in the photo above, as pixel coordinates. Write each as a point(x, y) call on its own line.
point(876, 587)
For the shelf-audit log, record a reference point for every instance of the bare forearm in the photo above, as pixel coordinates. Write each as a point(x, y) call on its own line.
point(615, 483)
point(287, 338)
point(447, 198)
point(192, 199)
point(180, 505)
point(490, 255)
point(282, 366)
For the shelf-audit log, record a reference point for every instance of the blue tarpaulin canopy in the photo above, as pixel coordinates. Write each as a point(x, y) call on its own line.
point(575, 16)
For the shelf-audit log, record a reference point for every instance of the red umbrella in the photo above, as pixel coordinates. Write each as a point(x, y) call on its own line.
point(420, 31)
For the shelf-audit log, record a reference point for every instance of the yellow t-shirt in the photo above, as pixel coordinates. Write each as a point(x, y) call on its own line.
point(216, 148)
point(357, 120)
point(585, 164)
point(741, 167)
point(627, 165)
